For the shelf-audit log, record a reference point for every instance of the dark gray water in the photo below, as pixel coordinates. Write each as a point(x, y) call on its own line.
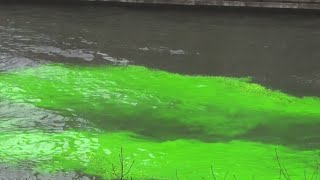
point(278, 50)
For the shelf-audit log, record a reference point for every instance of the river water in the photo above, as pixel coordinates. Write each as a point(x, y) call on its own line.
point(178, 89)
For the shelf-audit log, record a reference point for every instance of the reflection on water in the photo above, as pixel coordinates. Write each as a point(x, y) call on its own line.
point(15, 173)
point(10, 62)
point(34, 154)
point(26, 117)
point(70, 97)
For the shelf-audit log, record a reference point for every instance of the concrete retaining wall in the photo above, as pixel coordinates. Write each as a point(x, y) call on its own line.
point(289, 4)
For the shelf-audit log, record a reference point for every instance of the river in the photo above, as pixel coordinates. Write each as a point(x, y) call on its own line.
point(185, 93)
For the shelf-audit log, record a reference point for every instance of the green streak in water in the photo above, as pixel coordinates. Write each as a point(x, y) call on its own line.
point(135, 98)
point(94, 154)
point(176, 109)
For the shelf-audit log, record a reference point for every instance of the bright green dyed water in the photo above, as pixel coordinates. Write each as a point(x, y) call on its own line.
point(164, 121)
point(94, 153)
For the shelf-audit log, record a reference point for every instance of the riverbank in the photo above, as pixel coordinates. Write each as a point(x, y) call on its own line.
point(241, 4)
point(285, 4)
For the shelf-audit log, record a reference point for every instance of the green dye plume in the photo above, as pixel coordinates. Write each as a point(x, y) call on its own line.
point(95, 153)
point(158, 104)
point(76, 118)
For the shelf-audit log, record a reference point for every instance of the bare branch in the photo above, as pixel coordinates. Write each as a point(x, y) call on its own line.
point(315, 173)
point(177, 175)
point(214, 177)
point(234, 176)
point(285, 173)
point(128, 171)
point(114, 170)
point(225, 176)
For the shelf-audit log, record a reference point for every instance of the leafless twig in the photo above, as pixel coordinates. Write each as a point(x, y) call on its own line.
point(283, 170)
point(214, 176)
point(122, 174)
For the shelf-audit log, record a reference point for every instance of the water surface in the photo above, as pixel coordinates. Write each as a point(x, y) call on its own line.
point(178, 90)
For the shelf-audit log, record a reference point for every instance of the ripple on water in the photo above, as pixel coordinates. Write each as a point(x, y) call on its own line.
point(9, 62)
point(15, 173)
point(23, 48)
point(27, 117)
